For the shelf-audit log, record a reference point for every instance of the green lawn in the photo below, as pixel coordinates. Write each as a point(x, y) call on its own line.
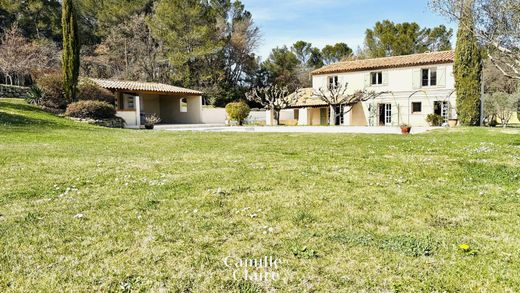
point(84, 208)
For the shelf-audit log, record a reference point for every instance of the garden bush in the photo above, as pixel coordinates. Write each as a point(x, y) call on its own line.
point(434, 119)
point(238, 111)
point(91, 109)
point(53, 95)
point(89, 91)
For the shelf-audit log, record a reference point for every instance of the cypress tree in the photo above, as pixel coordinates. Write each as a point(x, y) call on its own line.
point(71, 48)
point(468, 69)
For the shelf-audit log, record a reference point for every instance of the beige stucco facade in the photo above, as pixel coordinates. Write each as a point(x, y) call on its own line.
point(171, 108)
point(404, 87)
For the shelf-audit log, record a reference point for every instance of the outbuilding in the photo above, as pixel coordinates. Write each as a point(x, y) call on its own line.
point(136, 100)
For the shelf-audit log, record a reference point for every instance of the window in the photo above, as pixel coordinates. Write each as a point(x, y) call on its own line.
point(376, 78)
point(184, 105)
point(130, 103)
point(429, 77)
point(333, 82)
point(416, 107)
point(441, 108)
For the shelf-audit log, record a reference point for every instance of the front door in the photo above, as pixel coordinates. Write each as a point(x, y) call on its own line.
point(385, 114)
point(441, 108)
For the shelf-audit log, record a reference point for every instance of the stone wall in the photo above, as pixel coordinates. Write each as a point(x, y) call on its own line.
point(11, 91)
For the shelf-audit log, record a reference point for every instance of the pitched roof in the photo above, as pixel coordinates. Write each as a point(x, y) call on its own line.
point(143, 86)
point(307, 99)
point(388, 62)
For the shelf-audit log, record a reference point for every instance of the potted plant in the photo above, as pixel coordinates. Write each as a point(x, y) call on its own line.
point(406, 129)
point(434, 120)
point(453, 122)
point(151, 120)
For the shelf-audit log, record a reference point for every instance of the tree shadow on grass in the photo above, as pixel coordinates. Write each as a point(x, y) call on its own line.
point(15, 119)
point(8, 119)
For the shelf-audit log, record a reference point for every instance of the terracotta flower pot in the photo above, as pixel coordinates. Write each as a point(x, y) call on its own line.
point(406, 130)
point(453, 122)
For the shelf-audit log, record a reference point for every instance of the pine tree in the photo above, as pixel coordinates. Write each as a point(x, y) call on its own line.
point(71, 49)
point(468, 69)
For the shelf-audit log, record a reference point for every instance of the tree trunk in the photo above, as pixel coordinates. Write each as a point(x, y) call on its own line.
point(276, 117)
point(332, 120)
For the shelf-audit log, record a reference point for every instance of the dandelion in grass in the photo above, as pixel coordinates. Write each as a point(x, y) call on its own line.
point(464, 247)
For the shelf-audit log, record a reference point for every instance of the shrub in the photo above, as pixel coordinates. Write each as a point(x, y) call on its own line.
point(53, 96)
point(91, 109)
point(238, 111)
point(151, 120)
point(89, 91)
point(434, 119)
point(34, 96)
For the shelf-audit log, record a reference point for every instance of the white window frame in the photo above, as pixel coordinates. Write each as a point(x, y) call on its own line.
point(388, 114)
point(332, 82)
point(126, 102)
point(378, 76)
point(431, 71)
point(416, 112)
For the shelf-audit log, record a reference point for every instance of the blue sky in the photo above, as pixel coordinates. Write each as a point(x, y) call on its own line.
point(323, 22)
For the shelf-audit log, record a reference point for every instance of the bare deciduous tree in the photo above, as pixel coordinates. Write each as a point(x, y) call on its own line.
point(130, 51)
point(337, 96)
point(19, 57)
point(273, 98)
point(497, 26)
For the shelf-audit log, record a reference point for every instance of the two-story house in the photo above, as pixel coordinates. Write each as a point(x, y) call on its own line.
point(413, 86)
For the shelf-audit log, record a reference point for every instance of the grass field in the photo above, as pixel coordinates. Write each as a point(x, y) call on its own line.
point(84, 208)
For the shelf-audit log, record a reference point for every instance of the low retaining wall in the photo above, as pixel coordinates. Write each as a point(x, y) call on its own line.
point(218, 116)
point(11, 91)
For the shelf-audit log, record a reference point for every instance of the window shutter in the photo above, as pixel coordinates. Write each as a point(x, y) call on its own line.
point(416, 78)
point(441, 76)
point(367, 79)
point(385, 78)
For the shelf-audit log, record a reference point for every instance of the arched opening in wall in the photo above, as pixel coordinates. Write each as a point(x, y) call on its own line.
point(184, 105)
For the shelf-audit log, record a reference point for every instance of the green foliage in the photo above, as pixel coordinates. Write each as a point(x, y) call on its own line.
point(302, 50)
point(502, 106)
point(34, 96)
point(71, 49)
point(88, 90)
point(91, 109)
point(189, 29)
point(52, 88)
point(468, 72)
point(38, 19)
point(434, 119)
point(238, 111)
point(316, 58)
point(332, 54)
point(281, 67)
point(101, 16)
point(390, 39)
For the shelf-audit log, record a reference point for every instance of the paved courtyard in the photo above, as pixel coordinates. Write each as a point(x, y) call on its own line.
point(291, 129)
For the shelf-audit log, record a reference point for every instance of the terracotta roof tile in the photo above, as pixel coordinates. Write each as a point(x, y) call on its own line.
point(307, 99)
point(143, 86)
point(388, 62)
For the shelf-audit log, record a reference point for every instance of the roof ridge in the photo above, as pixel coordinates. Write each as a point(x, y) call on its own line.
point(397, 56)
point(435, 57)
